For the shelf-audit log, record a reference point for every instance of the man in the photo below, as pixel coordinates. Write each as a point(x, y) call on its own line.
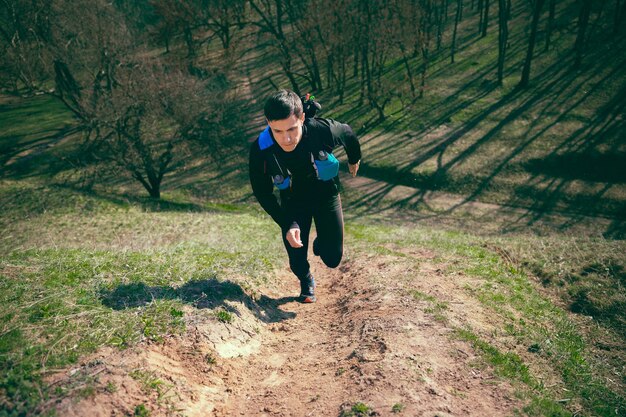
point(294, 154)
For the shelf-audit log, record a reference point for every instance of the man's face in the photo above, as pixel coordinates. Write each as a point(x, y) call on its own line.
point(287, 132)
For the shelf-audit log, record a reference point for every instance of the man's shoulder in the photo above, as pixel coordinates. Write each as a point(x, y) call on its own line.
point(263, 141)
point(317, 125)
point(317, 121)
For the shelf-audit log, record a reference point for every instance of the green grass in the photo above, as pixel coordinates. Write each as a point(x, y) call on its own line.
point(553, 147)
point(397, 408)
point(31, 118)
point(141, 411)
point(358, 409)
point(224, 316)
point(532, 323)
point(79, 272)
point(151, 382)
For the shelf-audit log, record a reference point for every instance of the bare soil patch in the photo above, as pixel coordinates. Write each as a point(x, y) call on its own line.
point(366, 340)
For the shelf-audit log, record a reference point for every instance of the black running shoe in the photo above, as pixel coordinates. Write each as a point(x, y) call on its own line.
point(307, 290)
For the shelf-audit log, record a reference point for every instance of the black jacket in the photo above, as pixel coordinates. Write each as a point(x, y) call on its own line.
point(267, 160)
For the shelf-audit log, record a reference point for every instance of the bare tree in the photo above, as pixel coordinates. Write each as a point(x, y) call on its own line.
point(307, 27)
point(25, 28)
point(271, 15)
point(224, 18)
point(550, 23)
point(143, 127)
point(538, 5)
point(405, 33)
point(503, 14)
point(137, 112)
point(425, 28)
point(179, 18)
point(485, 19)
point(338, 30)
point(457, 19)
point(619, 16)
point(583, 23)
point(481, 14)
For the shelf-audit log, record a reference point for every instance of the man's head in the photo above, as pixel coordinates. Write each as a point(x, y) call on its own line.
point(285, 116)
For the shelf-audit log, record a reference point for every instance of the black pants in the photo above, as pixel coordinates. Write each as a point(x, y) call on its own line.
point(328, 217)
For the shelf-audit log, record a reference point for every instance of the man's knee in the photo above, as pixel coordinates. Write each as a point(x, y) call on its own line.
point(332, 261)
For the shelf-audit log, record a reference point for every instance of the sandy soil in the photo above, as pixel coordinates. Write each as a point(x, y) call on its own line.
point(366, 340)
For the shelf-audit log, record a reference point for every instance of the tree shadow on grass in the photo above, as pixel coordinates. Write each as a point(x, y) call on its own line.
point(207, 293)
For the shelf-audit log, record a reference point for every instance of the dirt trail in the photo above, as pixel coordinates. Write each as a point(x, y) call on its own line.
point(366, 340)
point(363, 342)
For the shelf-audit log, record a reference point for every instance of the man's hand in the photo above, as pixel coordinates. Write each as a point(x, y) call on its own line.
point(293, 237)
point(354, 168)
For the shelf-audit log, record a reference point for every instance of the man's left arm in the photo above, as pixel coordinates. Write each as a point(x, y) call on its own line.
point(342, 134)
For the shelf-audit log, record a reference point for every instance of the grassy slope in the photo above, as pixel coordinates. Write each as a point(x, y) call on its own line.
point(82, 270)
point(556, 146)
point(79, 272)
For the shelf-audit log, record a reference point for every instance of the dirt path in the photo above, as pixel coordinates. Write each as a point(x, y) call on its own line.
point(363, 342)
point(366, 340)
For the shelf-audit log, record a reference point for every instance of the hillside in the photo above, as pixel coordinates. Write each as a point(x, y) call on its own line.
point(484, 269)
point(118, 306)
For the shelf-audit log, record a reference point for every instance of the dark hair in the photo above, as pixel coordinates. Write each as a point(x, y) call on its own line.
point(283, 104)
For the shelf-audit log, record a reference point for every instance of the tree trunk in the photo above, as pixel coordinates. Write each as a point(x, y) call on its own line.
point(341, 78)
point(274, 25)
point(188, 35)
point(363, 57)
point(426, 34)
point(486, 19)
point(616, 19)
point(440, 19)
point(583, 23)
point(550, 23)
point(457, 19)
point(503, 37)
point(481, 5)
point(409, 72)
point(531, 44)
point(619, 21)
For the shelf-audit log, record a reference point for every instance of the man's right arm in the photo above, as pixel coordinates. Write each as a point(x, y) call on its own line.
point(262, 185)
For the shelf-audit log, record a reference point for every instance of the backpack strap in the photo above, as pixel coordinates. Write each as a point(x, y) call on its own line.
point(265, 139)
point(280, 177)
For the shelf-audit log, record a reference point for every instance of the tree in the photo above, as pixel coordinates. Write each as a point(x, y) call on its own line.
point(531, 43)
point(144, 127)
point(457, 19)
point(138, 113)
point(271, 21)
point(224, 17)
point(503, 38)
point(550, 23)
point(179, 17)
point(619, 17)
point(425, 35)
point(307, 26)
point(338, 30)
point(25, 27)
point(485, 19)
point(405, 32)
point(583, 23)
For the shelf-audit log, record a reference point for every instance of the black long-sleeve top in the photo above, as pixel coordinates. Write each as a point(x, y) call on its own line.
point(318, 134)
